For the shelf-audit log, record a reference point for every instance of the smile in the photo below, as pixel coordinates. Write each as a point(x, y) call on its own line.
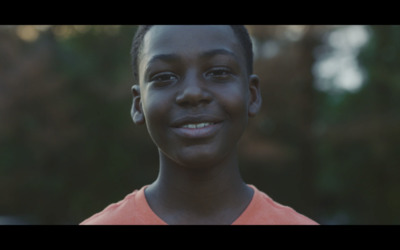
point(198, 125)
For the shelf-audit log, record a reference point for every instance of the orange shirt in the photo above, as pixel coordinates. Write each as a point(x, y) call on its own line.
point(134, 210)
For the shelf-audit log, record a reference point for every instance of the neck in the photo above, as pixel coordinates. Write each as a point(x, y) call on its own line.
point(198, 192)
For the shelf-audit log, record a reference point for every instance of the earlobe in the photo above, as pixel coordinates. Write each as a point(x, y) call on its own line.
point(137, 111)
point(255, 99)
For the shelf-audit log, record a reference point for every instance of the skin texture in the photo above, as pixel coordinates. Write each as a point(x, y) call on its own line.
point(189, 75)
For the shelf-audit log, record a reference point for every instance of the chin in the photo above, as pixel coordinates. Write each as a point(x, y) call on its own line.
point(200, 157)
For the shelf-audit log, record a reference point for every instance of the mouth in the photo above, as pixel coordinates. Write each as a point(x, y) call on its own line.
point(196, 122)
point(197, 126)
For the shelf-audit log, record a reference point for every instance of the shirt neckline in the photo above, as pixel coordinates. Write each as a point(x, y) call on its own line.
point(154, 217)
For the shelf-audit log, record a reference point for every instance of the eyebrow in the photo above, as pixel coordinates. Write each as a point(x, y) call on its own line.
point(215, 52)
point(163, 57)
point(205, 55)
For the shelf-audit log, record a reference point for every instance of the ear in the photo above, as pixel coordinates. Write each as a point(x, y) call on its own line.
point(255, 99)
point(137, 111)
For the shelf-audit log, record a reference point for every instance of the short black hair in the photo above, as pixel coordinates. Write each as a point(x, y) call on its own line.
point(239, 30)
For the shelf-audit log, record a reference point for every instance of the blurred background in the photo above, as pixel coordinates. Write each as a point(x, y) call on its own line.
point(326, 141)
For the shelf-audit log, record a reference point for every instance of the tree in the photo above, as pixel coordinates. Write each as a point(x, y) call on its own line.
point(360, 146)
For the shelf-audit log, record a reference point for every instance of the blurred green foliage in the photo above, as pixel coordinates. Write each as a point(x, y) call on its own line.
point(68, 146)
point(359, 154)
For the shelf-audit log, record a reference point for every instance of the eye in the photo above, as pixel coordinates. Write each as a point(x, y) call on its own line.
point(164, 78)
point(219, 74)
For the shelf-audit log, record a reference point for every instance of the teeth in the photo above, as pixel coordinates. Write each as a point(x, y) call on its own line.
point(197, 125)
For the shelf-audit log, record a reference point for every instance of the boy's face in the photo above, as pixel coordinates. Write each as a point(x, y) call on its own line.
point(194, 93)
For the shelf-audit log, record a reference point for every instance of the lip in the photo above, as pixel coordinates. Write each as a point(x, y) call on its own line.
point(197, 133)
point(192, 119)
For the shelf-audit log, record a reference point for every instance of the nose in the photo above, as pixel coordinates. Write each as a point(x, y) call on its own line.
point(193, 91)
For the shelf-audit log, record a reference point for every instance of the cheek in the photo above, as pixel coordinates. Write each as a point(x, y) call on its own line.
point(155, 109)
point(154, 103)
point(236, 103)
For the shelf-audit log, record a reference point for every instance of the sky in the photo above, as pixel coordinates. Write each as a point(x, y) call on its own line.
point(338, 69)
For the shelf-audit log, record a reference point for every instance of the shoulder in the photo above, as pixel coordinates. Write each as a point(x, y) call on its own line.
point(115, 213)
point(132, 210)
point(263, 210)
point(285, 214)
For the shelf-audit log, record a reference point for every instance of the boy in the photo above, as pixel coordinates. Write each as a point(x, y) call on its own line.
point(194, 90)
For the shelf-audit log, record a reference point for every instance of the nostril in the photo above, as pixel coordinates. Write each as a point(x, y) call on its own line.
point(193, 95)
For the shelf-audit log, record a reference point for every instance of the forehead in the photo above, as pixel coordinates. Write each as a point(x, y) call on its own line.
point(188, 40)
